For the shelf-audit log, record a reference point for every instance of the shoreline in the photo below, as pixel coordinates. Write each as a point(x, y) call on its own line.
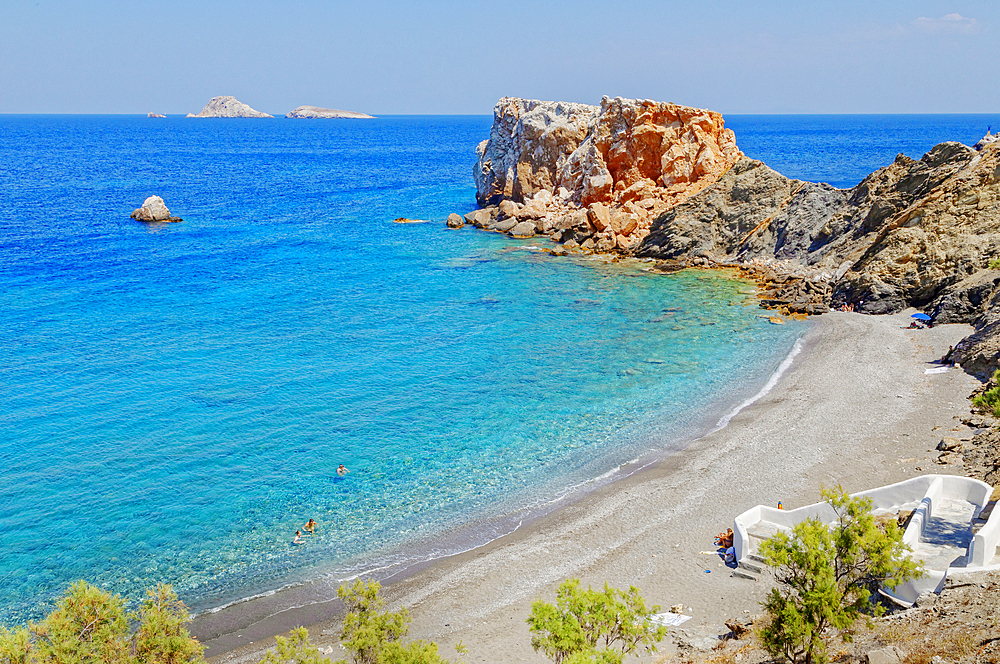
point(854, 408)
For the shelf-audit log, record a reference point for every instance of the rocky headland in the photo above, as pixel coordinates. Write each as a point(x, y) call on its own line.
point(666, 182)
point(227, 107)
point(155, 115)
point(316, 113)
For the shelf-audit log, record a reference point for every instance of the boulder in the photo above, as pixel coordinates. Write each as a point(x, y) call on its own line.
point(505, 225)
point(531, 210)
point(509, 209)
point(153, 209)
point(887, 655)
point(979, 353)
point(949, 444)
point(599, 216)
point(227, 107)
point(455, 221)
point(523, 229)
point(480, 218)
point(604, 242)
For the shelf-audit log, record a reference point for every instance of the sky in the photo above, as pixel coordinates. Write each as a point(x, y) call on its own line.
point(458, 57)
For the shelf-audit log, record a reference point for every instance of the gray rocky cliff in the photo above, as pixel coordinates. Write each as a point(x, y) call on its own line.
point(227, 107)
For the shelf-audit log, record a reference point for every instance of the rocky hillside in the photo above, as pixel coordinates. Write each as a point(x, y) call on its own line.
point(657, 180)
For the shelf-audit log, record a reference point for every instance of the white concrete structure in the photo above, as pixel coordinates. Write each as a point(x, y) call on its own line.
point(946, 530)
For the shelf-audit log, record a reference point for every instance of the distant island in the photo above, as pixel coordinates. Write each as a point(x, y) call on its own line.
point(315, 112)
point(228, 107)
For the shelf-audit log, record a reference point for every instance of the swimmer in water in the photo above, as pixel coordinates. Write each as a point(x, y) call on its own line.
point(310, 527)
point(298, 537)
point(342, 471)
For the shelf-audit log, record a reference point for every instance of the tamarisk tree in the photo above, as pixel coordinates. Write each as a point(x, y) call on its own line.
point(599, 626)
point(827, 575)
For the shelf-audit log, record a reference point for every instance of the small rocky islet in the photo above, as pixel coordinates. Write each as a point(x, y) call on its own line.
point(227, 106)
point(659, 181)
point(317, 113)
point(153, 209)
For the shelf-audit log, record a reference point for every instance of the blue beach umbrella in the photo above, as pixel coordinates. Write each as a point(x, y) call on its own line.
point(921, 316)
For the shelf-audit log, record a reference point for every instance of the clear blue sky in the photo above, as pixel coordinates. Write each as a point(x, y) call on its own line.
point(386, 57)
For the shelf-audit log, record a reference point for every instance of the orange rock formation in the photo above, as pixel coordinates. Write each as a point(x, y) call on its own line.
point(598, 175)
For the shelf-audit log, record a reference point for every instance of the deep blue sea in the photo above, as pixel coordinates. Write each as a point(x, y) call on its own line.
point(175, 399)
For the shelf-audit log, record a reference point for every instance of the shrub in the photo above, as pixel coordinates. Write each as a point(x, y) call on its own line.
point(827, 576)
point(570, 631)
point(994, 264)
point(989, 400)
point(374, 634)
point(90, 625)
point(294, 649)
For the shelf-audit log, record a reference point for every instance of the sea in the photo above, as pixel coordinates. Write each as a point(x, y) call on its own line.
point(176, 399)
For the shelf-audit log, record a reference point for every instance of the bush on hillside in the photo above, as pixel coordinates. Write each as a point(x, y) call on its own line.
point(989, 401)
point(827, 576)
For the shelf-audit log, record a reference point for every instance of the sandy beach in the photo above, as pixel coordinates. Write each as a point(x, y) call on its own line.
point(855, 408)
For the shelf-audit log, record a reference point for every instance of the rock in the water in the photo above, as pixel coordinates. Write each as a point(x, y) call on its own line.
point(227, 107)
point(523, 229)
point(407, 220)
point(155, 115)
point(316, 113)
point(455, 221)
point(505, 225)
point(153, 209)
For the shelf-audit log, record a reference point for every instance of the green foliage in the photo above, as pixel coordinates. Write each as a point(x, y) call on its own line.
point(994, 264)
point(571, 631)
point(294, 650)
point(373, 634)
point(828, 575)
point(90, 626)
point(989, 400)
point(15, 646)
point(161, 637)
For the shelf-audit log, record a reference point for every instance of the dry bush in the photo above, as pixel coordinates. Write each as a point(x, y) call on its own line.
point(725, 655)
point(959, 644)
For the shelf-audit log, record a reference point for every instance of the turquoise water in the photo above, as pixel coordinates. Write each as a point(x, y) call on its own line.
point(175, 399)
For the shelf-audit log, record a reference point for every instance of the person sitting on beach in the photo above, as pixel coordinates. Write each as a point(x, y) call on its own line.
point(725, 540)
point(342, 471)
point(947, 359)
point(298, 537)
point(310, 527)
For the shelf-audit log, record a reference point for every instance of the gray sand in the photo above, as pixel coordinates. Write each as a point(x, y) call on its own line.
point(855, 409)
